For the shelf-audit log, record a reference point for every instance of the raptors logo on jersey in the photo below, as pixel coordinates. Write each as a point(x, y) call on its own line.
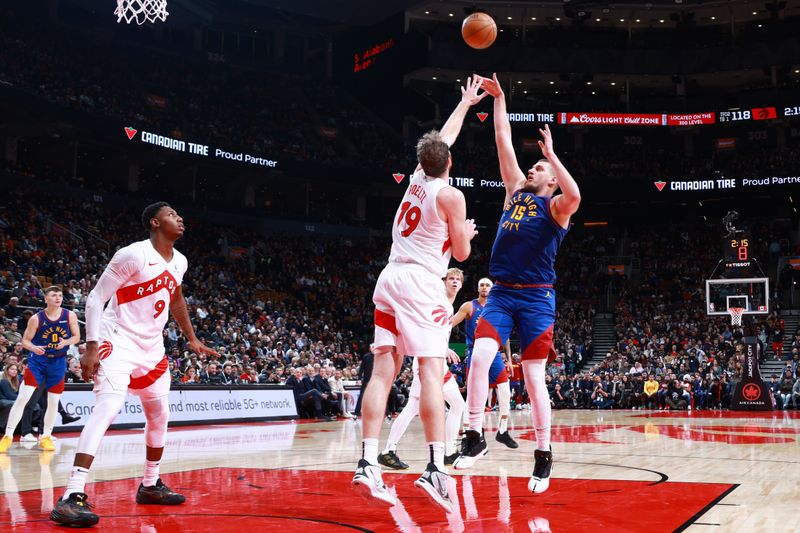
point(140, 305)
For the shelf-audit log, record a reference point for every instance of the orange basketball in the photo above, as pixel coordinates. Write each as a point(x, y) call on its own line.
point(479, 31)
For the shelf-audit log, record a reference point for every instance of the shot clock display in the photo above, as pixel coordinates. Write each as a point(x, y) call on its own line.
point(736, 249)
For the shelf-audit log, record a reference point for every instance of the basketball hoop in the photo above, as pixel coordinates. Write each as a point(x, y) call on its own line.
point(141, 11)
point(736, 315)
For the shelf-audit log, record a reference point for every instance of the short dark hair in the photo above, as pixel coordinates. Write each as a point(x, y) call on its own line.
point(150, 213)
point(52, 288)
point(432, 154)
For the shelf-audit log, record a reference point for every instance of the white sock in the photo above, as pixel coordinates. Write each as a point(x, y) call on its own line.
point(478, 382)
point(369, 451)
point(77, 481)
point(49, 419)
point(436, 451)
point(503, 425)
point(151, 469)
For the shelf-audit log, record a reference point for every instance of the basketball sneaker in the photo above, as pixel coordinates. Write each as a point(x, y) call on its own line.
point(434, 483)
point(473, 447)
point(158, 494)
point(540, 479)
point(75, 511)
point(46, 444)
point(369, 483)
point(5, 443)
point(28, 438)
point(391, 460)
point(450, 459)
point(507, 439)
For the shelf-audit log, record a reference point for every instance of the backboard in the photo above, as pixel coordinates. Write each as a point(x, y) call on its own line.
point(751, 294)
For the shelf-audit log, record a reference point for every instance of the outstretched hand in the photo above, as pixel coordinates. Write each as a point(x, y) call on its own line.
point(198, 347)
point(469, 94)
point(546, 145)
point(492, 86)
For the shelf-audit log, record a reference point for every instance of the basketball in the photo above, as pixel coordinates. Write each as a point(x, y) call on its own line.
point(479, 31)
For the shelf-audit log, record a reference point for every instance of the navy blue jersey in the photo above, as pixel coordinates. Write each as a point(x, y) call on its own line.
point(469, 325)
point(527, 242)
point(51, 332)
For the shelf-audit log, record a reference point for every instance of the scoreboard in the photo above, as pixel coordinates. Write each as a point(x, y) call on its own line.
point(736, 249)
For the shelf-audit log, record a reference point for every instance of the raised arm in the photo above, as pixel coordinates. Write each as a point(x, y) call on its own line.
point(469, 97)
point(452, 206)
point(563, 206)
point(513, 177)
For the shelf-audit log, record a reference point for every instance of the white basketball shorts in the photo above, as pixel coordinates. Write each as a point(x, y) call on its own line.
point(411, 311)
point(128, 362)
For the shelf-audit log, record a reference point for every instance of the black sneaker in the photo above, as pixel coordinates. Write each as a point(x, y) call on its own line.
point(450, 459)
point(67, 418)
point(75, 511)
point(506, 439)
point(158, 494)
point(434, 483)
point(540, 479)
point(473, 447)
point(390, 460)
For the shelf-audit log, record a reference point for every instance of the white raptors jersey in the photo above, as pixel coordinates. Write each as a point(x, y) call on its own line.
point(419, 236)
point(141, 305)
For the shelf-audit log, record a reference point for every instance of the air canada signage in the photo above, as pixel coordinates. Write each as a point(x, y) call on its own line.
point(196, 149)
point(751, 393)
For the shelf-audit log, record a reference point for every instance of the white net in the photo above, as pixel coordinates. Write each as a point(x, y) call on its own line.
point(141, 11)
point(736, 315)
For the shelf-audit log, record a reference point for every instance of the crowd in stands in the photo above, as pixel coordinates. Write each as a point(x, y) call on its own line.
point(298, 311)
point(287, 305)
point(309, 120)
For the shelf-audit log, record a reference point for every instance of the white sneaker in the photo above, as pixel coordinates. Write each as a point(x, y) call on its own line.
point(369, 483)
point(539, 525)
point(434, 483)
point(28, 438)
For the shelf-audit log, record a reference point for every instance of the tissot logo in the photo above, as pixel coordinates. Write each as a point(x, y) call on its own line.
point(482, 116)
point(398, 177)
point(660, 185)
point(130, 132)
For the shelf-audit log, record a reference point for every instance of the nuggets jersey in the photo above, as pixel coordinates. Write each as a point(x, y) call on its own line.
point(51, 332)
point(419, 236)
point(527, 242)
point(140, 307)
point(469, 325)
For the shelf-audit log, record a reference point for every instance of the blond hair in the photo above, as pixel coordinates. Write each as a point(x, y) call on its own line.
point(456, 271)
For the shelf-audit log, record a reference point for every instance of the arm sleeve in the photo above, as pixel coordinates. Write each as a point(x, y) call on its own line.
point(118, 271)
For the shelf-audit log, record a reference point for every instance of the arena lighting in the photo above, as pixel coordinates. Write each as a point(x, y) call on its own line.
point(593, 224)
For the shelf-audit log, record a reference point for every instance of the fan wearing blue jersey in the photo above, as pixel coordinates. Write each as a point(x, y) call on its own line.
point(533, 224)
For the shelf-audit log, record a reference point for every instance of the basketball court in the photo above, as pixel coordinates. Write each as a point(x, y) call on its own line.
point(615, 470)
